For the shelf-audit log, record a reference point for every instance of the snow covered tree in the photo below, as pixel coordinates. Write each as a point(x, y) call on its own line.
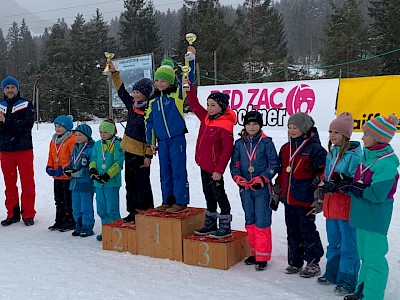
point(346, 39)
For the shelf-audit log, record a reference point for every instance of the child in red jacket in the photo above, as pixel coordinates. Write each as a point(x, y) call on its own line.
point(213, 151)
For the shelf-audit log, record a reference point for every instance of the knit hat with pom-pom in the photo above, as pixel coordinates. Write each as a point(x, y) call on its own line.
point(381, 129)
point(166, 71)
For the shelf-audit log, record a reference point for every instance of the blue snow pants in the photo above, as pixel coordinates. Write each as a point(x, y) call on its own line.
point(82, 210)
point(173, 174)
point(107, 200)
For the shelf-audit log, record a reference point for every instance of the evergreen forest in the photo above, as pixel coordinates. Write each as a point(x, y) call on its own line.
point(258, 41)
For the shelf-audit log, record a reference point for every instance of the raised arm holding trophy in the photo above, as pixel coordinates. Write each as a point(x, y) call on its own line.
point(189, 56)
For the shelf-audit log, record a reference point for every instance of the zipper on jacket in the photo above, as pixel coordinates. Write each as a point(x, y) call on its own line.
point(163, 115)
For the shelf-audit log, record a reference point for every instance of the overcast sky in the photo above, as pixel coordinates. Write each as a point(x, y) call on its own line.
point(51, 10)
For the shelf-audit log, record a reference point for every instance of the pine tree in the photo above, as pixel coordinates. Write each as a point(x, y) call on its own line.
point(3, 55)
point(139, 29)
point(346, 39)
point(13, 50)
point(265, 50)
point(386, 37)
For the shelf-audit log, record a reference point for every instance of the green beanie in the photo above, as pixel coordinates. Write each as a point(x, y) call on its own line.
point(166, 71)
point(108, 127)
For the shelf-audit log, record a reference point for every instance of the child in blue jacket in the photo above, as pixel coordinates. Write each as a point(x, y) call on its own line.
point(165, 126)
point(254, 163)
point(372, 197)
point(81, 184)
point(105, 168)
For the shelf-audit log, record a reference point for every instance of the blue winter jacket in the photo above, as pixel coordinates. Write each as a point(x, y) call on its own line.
point(164, 116)
point(265, 160)
point(16, 131)
point(80, 180)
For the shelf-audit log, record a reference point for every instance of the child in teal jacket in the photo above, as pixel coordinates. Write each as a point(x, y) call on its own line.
point(372, 193)
point(105, 169)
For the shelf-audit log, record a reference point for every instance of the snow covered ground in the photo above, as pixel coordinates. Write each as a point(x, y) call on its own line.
point(38, 264)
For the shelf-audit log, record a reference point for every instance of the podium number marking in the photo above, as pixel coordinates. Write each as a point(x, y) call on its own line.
point(119, 232)
point(205, 253)
point(157, 233)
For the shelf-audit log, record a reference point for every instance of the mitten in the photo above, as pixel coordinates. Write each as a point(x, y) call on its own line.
point(93, 173)
point(315, 183)
point(58, 172)
point(104, 178)
point(317, 206)
point(275, 197)
point(330, 187)
point(357, 189)
point(240, 181)
point(50, 171)
point(257, 183)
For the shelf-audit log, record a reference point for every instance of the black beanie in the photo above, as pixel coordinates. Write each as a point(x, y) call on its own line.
point(145, 86)
point(221, 99)
point(253, 116)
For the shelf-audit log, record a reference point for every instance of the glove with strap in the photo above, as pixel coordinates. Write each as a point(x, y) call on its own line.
point(104, 178)
point(275, 196)
point(240, 181)
point(356, 188)
point(258, 182)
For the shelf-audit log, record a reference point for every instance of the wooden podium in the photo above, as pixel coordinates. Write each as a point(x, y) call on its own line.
point(161, 235)
point(119, 236)
point(216, 253)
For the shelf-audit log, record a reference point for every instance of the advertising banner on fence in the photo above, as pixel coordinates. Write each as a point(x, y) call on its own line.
point(369, 97)
point(131, 70)
point(277, 101)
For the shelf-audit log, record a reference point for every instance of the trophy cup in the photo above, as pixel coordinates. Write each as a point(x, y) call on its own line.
point(190, 38)
point(109, 56)
point(185, 77)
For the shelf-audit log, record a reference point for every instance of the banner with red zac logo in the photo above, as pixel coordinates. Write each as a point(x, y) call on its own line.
point(277, 101)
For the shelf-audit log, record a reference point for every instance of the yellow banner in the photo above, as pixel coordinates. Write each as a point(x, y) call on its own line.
point(369, 97)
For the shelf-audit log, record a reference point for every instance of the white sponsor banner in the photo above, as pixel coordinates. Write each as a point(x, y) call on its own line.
point(277, 101)
point(132, 69)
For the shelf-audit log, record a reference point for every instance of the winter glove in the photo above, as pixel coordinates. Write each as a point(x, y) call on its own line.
point(58, 172)
point(93, 174)
point(104, 178)
point(357, 189)
point(275, 197)
point(315, 183)
point(50, 171)
point(316, 207)
point(257, 183)
point(319, 193)
point(330, 187)
point(240, 181)
point(69, 170)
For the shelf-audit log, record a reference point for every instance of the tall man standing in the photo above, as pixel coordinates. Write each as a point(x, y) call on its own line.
point(16, 152)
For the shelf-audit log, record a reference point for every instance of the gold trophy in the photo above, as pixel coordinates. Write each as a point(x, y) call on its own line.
point(185, 77)
point(189, 56)
point(190, 38)
point(109, 56)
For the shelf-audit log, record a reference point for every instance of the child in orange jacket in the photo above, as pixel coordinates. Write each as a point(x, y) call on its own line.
point(60, 150)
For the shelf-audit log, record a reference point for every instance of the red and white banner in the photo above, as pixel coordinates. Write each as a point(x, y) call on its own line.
point(277, 101)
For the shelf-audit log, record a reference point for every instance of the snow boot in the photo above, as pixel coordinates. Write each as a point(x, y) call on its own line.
point(251, 260)
point(210, 224)
point(54, 227)
point(129, 218)
point(29, 221)
point(176, 209)
point(99, 237)
point(8, 222)
point(340, 291)
point(293, 270)
point(261, 265)
point(358, 294)
point(311, 270)
point(224, 229)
